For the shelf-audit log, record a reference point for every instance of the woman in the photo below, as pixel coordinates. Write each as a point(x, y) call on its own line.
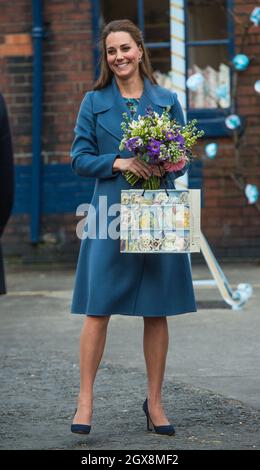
point(107, 282)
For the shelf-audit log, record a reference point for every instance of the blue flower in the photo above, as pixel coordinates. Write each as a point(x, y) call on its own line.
point(149, 111)
point(131, 144)
point(179, 139)
point(154, 148)
point(169, 135)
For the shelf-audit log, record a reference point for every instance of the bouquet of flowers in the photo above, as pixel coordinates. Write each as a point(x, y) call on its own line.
point(158, 140)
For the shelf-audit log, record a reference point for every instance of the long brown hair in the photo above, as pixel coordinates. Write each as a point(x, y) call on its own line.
point(127, 26)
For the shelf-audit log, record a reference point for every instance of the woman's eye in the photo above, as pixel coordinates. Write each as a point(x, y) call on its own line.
point(113, 51)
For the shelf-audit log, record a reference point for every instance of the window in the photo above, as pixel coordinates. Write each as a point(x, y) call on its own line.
point(209, 47)
point(153, 18)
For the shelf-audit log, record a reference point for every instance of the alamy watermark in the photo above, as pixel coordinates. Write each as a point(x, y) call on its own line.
point(95, 224)
point(102, 221)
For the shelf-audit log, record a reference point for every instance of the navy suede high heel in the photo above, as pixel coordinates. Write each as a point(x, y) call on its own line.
point(167, 430)
point(80, 428)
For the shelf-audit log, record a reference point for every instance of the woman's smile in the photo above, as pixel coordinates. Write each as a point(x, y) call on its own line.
point(122, 66)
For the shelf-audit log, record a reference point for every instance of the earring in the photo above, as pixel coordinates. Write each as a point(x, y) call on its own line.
point(140, 59)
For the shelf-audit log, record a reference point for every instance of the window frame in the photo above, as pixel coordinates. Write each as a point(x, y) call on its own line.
point(212, 121)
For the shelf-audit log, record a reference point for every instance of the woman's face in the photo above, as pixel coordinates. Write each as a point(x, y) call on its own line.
point(123, 54)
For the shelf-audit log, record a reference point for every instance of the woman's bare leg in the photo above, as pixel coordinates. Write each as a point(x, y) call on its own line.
point(92, 344)
point(156, 339)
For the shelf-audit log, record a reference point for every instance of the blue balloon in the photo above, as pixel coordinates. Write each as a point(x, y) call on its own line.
point(222, 91)
point(233, 121)
point(241, 61)
point(252, 193)
point(194, 81)
point(245, 288)
point(211, 150)
point(257, 86)
point(255, 16)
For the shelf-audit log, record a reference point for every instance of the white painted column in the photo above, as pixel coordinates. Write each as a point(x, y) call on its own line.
point(178, 77)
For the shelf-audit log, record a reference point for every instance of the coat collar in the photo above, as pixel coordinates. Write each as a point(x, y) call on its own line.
point(110, 105)
point(106, 97)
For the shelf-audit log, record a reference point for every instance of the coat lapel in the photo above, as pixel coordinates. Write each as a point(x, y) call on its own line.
point(109, 105)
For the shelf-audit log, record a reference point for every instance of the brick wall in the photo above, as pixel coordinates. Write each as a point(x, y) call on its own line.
point(67, 74)
point(230, 224)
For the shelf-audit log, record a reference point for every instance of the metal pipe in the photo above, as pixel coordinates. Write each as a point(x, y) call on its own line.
point(37, 35)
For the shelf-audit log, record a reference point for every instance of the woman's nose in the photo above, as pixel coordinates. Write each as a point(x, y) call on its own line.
point(119, 56)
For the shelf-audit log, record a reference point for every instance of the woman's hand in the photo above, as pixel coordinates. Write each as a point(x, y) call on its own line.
point(156, 171)
point(137, 167)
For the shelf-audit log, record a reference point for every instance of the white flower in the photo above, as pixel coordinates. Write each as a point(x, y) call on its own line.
point(133, 124)
point(141, 121)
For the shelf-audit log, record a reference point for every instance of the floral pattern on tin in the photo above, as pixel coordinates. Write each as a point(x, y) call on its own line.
point(155, 221)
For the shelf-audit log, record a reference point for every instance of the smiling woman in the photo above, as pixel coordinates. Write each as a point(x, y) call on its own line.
point(123, 54)
point(107, 281)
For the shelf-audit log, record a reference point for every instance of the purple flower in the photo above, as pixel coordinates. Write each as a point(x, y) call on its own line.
point(179, 139)
point(149, 111)
point(154, 148)
point(131, 144)
point(169, 135)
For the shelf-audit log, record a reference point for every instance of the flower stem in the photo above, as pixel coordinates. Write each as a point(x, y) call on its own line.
point(131, 178)
point(152, 183)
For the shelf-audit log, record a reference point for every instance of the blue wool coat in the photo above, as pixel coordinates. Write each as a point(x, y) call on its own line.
point(108, 282)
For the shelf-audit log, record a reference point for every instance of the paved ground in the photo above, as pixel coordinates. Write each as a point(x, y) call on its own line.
point(212, 381)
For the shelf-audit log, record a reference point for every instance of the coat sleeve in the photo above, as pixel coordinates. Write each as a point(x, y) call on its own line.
point(177, 114)
point(86, 160)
